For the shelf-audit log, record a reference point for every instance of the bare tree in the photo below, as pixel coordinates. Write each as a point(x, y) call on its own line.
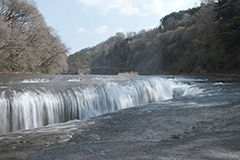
point(26, 42)
point(131, 34)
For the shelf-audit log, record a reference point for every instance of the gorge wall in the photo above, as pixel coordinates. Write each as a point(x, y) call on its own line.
point(205, 39)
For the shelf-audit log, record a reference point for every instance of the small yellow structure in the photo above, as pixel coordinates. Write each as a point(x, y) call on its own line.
point(128, 73)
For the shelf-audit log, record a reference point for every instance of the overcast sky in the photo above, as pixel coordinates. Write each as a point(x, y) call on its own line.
point(85, 23)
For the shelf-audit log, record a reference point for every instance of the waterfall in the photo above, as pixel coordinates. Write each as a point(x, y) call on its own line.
point(25, 106)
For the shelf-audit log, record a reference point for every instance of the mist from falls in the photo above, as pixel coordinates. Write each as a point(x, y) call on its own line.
point(30, 103)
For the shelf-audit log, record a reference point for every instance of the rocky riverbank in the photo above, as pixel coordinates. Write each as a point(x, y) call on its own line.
point(197, 127)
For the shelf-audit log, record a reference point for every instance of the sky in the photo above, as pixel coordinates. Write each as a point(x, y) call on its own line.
point(85, 23)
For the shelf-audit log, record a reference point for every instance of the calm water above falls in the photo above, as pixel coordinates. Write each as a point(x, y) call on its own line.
point(33, 101)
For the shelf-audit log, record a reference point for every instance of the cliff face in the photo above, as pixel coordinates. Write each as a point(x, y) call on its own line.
point(197, 40)
point(27, 44)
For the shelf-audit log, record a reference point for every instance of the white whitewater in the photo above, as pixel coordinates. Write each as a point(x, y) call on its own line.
point(38, 106)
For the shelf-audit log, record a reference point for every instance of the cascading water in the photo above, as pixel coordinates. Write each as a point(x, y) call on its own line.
point(30, 103)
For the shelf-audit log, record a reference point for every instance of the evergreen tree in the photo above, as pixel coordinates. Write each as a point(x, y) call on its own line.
point(228, 17)
point(226, 9)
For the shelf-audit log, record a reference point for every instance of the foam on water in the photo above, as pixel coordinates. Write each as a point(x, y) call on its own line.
point(75, 80)
point(36, 80)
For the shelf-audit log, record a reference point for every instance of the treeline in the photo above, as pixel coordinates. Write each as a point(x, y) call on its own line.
point(210, 44)
point(27, 44)
point(205, 39)
point(95, 60)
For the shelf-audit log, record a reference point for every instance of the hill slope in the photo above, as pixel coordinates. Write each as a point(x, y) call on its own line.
point(199, 40)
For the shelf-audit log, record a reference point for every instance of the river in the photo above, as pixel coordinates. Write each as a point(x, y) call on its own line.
point(159, 117)
point(29, 101)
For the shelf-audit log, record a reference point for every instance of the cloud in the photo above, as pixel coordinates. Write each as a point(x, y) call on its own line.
point(81, 30)
point(120, 30)
point(90, 2)
point(139, 7)
point(101, 29)
point(123, 7)
point(129, 9)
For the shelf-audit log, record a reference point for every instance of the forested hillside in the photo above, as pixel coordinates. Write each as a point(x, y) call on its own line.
point(27, 44)
point(205, 39)
point(79, 63)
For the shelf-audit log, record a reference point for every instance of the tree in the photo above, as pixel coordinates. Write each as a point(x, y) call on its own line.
point(79, 62)
point(28, 42)
point(207, 1)
point(120, 35)
point(228, 19)
point(226, 9)
point(131, 34)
